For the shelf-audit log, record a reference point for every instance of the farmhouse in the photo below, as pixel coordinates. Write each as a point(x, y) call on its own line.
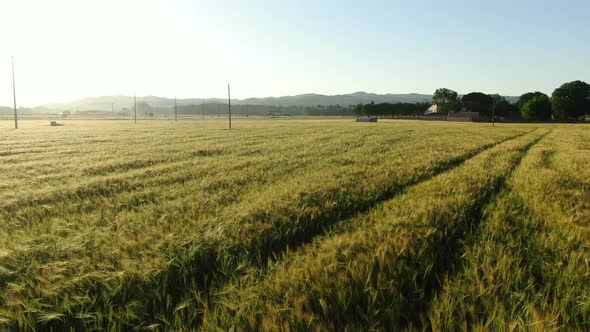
point(434, 109)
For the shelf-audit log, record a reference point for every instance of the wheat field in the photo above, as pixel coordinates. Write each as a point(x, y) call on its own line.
point(294, 224)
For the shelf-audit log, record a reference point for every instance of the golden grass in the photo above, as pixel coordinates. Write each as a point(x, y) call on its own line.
point(529, 268)
point(379, 274)
point(276, 224)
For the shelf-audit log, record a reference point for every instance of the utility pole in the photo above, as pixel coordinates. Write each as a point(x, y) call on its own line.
point(135, 106)
point(112, 109)
point(229, 104)
point(175, 112)
point(14, 95)
point(203, 108)
point(493, 112)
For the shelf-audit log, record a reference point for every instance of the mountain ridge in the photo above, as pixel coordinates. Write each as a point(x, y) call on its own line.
point(119, 102)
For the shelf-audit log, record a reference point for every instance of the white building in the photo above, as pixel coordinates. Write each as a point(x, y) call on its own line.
point(432, 109)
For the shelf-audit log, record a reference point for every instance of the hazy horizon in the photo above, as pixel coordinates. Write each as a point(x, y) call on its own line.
point(223, 99)
point(67, 50)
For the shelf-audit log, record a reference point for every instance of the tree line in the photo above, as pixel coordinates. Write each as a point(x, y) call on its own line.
point(391, 109)
point(569, 102)
point(239, 110)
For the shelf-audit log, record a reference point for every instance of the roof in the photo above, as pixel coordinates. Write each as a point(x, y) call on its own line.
point(432, 109)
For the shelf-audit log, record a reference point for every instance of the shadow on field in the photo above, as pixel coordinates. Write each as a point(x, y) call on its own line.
point(292, 234)
point(215, 264)
point(204, 266)
point(446, 250)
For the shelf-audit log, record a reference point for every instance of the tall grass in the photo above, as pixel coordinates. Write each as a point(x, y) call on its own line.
point(529, 269)
point(381, 274)
point(178, 226)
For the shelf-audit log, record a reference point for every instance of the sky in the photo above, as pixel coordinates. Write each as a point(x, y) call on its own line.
point(64, 50)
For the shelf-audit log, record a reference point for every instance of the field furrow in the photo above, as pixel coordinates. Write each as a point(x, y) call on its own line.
point(520, 272)
point(137, 246)
point(383, 273)
point(103, 167)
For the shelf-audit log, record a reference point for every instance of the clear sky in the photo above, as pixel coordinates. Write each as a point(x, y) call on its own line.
point(69, 49)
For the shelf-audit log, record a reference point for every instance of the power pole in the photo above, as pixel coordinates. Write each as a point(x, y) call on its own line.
point(229, 105)
point(203, 108)
point(135, 107)
point(175, 112)
point(493, 112)
point(14, 95)
point(112, 109)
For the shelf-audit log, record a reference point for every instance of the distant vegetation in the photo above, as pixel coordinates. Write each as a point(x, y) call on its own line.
point(535, 106)
point(570, 102)
point(391, 109)
point(304, 100)
point(258, 110)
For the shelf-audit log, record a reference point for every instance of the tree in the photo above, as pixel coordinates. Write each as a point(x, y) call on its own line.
point(537, 108)
point(528, 96)
point(65, 114)
point(499, 105)
point(510, 111)
point(478, 102)
point(447, 100)
point(359, 110)
point(571, 100)
point(391, 109)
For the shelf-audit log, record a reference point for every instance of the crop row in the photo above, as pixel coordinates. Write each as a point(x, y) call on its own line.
point(529, 268)
point(113, 266)
point(382, 274)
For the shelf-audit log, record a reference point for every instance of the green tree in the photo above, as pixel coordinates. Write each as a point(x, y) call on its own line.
point(360, 110)
point(499, 105)
point(502, 107)
point(528, 96)
point(537, 108)
point(447, 100)
point(571, 100)
point(510, 111)
point(478, 102)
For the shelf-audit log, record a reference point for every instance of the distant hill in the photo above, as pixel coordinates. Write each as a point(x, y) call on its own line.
point(119, 102)
point(345, 99)
point(9, 111)
point(5, 110)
